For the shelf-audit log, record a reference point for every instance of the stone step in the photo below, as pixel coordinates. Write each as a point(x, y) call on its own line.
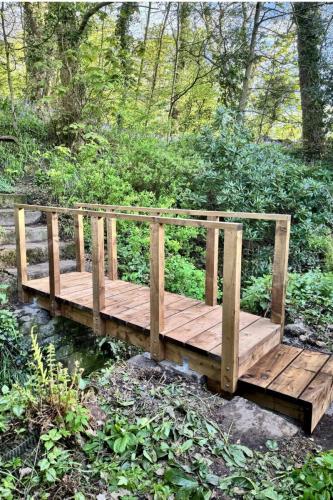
point(36, 253)
point(32, 234)
point(7, 200)
point(41, 270)
point(7, 217)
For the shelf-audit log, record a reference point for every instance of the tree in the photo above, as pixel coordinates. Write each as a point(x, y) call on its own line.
point(8, 64)
point(38, 49)
point(309, 40)
point(70, 26)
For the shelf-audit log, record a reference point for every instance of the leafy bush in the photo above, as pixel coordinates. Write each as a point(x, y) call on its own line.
point(240, 175)
point(309, 296)
point(315, 479)
point(5, 185)
point(182, 277)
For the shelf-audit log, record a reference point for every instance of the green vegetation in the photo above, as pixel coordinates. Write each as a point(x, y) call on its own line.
point(136, 437)
point(184, 105)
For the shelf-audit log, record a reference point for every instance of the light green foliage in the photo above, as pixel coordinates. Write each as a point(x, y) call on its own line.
point(182, 277)
point(309, 296)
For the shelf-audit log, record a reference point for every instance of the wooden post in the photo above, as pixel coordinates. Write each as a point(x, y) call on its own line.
point(111, 230)
point(212, 248)
point(231, 306)
point(54, 269)
point(21, 252)
point(79, 243)
point(156, 290)
point(280, 271)
point(97, 225)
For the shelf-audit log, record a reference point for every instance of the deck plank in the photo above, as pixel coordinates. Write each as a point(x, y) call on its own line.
point(185, 333)
point(186, 316)
point(328, 367)
point(271, 365)
point(292, 381)
point(319, 394)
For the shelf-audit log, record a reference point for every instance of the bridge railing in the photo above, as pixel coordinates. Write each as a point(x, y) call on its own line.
point(280, 258)
point(231, 272)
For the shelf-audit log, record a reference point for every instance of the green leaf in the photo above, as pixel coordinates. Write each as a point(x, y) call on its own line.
point(51, 475)
point(44, 464)
point(178, 478)
point(272, 445)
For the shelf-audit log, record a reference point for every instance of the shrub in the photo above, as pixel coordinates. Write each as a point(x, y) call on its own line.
point(309, 296)
point(240, 175)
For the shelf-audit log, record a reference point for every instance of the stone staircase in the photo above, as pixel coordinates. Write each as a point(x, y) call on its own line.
point(36, 241)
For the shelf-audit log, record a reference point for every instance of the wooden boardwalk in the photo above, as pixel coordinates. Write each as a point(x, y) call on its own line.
point(238, 352)
point(189, 323)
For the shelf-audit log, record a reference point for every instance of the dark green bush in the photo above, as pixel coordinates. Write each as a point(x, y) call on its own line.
point(240, 175)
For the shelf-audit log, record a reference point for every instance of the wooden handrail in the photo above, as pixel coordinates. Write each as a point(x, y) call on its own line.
point(180, 211)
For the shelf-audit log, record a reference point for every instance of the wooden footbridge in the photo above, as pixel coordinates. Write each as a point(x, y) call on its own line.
point(238, 352)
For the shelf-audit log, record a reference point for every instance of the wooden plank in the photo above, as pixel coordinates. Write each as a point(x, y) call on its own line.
point(156, 290)
point(21, 253)
point(191, 329)
point(232, 256)
point(259, 352)
point(177, 211)
point(79, 243)
point(111, 226)
point(328, 367)
point(140, 315)
point(186, 316)
point(280, 272)
point(212, 250)
point(271, 365)
point(292, 381)
point(311, 360)
point(319, 394)
point(98, 278)
point(255, 334)
point(137, 218)
point(53, 251)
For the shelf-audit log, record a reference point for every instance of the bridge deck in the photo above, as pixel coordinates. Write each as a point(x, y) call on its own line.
point(189, 323)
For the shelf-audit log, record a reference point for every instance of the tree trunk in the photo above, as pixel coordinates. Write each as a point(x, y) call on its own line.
point(250, 62)
point(309, 39)
point(157, 61)
point(8, 69)
point(144, 46)
point(38, 51)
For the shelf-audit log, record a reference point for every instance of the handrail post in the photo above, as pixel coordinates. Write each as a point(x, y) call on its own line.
point(212, 248)
point(280, 272)
point(21, 252)
point(232, 257)
point(156, 290)
point(79, 243)
point(98, 285)
point(53, 253)
point(111, 231)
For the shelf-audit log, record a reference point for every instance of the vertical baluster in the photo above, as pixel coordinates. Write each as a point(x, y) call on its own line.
point(53, 252)
point(79, 243)
point(212, 248)
point(156, 290)
point(21, 253)
point(97, 224)
point(280, 271)
point(111, 226)
point(231, 309)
